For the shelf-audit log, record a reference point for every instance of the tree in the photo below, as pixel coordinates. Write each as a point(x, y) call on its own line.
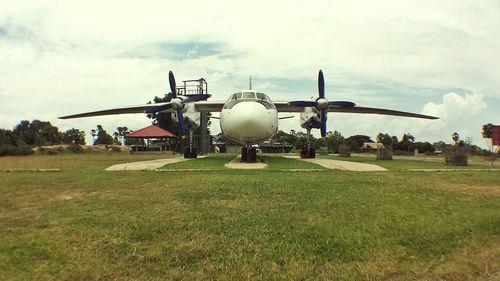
point(385, 139)
point(487, 131)
point(407, 142)
point(73, 136)
point(424, 147)
point(102, 136)
point(93, 132)
point(116, 138)
point(455, 136)
point(357, 141)
point(122, 132)
point(7, 137)
point(37, 133)
point(333, 141)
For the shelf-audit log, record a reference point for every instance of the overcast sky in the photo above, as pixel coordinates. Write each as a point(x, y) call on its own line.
point(434, 57)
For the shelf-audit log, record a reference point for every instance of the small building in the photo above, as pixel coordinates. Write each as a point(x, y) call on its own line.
point(369, 146)
point(152, 139)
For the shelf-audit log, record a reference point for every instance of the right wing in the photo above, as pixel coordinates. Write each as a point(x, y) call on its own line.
point(121, 110)
point(201, 106)
point(209, 106)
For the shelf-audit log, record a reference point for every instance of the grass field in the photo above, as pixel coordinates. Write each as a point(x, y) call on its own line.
point(87, 224)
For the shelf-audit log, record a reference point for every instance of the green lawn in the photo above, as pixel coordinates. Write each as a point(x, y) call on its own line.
point(217, 161)
point(88, 224)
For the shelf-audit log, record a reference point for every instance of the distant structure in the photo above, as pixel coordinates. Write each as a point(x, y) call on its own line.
point(152, 139)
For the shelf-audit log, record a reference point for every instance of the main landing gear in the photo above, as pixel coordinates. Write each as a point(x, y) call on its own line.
point(248, 154)
point(308, 151)
point(190, 151)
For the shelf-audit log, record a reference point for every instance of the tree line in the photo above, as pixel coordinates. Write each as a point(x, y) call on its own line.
point(26, 135)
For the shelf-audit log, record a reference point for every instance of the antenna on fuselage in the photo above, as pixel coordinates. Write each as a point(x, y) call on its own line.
point(250, 83)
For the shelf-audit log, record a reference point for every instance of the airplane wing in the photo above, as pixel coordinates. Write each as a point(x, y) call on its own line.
point(283, 106)
point(382, 111)
point(209, 106)
point(201, 106)
point(121, 110)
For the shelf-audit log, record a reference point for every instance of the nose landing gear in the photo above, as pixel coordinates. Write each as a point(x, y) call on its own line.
point(248, 154)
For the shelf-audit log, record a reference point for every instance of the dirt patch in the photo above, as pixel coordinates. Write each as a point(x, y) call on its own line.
point(69, 195)
point(473, 190)
point(145, 165)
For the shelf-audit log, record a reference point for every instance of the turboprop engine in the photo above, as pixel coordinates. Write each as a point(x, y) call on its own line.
point(310, 118)
point(190, 115)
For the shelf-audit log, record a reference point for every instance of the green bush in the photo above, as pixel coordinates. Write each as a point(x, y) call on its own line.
point(15, 150)
point(52, 151)
point(75, 148)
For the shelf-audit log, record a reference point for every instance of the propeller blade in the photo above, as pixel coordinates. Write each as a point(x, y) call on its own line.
point(193, 98)
point(154, 109)
point(321, 85)
point(180, 123)
point(171, 81)
point(341, 103)
point(300, 103)
point(323, 122)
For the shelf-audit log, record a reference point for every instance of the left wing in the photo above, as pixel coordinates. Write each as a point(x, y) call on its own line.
point(284, 106)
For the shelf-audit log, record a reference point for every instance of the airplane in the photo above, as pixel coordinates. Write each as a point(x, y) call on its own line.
point(249, 117)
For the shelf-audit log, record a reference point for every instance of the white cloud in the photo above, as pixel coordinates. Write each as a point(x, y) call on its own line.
point(63, 57)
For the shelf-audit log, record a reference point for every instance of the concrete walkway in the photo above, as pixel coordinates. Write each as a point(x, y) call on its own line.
point(145, 165)
point(342, 165)
point(237, 164)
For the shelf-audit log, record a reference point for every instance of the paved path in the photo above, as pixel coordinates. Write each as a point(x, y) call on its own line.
point(341, 165)
point(237, 164)
point(145, 165)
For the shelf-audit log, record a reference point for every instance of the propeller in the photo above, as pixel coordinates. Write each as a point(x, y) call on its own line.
point(321, 103)
point(177, 103)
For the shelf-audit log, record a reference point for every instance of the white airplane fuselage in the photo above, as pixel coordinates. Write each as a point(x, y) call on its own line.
point(249, 117)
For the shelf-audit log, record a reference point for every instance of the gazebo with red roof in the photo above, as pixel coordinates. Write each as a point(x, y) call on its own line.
point(152, 132)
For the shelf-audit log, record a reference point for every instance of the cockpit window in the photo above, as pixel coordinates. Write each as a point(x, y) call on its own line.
point(261, 96)
point(249, 95)
point(236, 96)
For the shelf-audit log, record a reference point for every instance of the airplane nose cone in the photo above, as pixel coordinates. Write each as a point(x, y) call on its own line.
point(250, 121)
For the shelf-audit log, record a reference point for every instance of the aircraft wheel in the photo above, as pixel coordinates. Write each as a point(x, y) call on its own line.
point(244, 154)
point(253, 154)
point(187, 153)
point(312, 152)
point(304, 153)
point(194, 153)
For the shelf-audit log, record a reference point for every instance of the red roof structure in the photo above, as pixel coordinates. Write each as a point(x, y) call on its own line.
point(495, 135)
point(151, 132)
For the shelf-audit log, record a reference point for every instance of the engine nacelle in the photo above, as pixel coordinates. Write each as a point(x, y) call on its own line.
point(310, 118)
point(190, 114)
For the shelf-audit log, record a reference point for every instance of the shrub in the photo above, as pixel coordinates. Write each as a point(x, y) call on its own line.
point(52, 151)
point(75, 148)
point(15, 150)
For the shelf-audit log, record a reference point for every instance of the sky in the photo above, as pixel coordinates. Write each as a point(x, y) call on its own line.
point(440, 58)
